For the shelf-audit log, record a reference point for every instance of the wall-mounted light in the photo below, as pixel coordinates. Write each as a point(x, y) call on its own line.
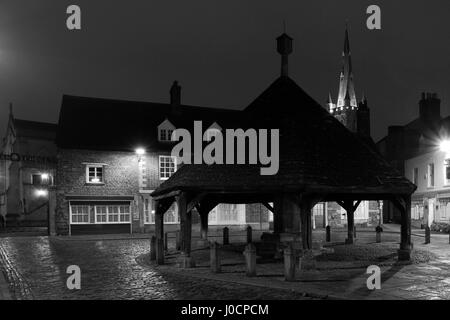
point(444, 145)
point(140, 151)
point(41, 193)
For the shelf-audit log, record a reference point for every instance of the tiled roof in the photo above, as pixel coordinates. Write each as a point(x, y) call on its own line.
point(316, 153)
point(34, 129)
point(107, 124)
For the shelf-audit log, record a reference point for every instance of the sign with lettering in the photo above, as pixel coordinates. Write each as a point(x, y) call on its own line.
point(28, 158)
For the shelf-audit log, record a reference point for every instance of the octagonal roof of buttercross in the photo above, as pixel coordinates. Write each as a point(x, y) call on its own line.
point(317, 154)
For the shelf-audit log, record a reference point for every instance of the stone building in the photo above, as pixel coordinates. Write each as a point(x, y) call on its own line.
point(27, 166)
point(112, 154)
point(430, 172)
point(418, 137)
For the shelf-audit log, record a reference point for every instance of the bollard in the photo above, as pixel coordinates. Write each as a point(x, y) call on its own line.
point(427, 235)
point(153, 248)
point(250, 260)
point(178, 240)
point(226, 236)
point(289, 264)
point(449, 237)
point(214, 257)
point(159, 251)
point(378, 231)
point(249, 234)
point(328, 234)
point(354, 231)
point(166, 241)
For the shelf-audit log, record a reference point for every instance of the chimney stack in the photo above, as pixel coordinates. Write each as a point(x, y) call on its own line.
point(175, 94)
point(175, 98)
point(430, 109)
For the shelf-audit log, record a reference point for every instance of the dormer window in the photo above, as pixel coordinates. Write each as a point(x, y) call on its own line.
point(212, 131)
point(165, 131)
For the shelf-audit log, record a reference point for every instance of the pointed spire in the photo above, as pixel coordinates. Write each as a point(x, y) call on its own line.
point(346, 41)
point(329, 98)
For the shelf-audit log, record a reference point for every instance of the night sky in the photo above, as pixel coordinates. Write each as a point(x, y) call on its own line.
point(223, 53)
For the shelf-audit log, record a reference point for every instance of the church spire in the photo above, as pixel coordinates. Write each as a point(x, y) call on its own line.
point(346, 85)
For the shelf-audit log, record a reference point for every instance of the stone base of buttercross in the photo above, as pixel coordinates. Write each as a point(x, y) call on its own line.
point(185, 262)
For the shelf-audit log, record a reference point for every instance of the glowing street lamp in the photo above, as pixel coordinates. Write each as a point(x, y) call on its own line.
point(41, 193)
point(140, 151)
point(444, 145)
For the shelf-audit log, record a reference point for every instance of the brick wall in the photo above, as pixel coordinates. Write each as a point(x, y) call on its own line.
point(120, 179)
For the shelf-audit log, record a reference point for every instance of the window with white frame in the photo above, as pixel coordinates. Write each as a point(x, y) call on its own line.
point(80, 214)
point(165, 131)
point(210, 133)
point(170, 216)
point(167, 166)
point(430, 175)
point(94, 173)
point(447, 172)
point(100, 214)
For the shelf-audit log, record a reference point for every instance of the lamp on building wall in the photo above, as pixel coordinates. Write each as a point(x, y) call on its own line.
point(41, 192)
point(140, 152)
point(444, 145)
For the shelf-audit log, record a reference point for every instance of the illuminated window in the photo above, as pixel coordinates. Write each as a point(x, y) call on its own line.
point(430, 181)
point(447, 172)
point(94, 174)
point(41, 179)
point(167, 166)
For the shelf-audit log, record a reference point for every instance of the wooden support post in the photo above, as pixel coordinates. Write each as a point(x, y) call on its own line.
point(185, 260)
point(153, 248)
point(278, 215)
point(404, 204)
point(350, 207)
point(204, 225)
point(178, 240)
point(306, 226)
point(159, 232)
point(249, 234)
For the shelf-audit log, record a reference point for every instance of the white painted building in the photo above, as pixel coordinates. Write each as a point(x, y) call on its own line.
point(430, 172)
